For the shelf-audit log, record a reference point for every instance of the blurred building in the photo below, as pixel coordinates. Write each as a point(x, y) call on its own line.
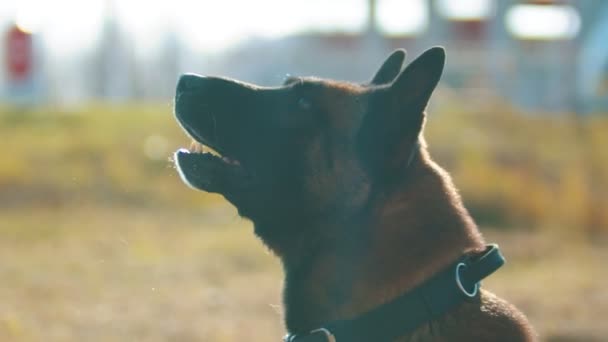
point(560, 64)
point(539, 54)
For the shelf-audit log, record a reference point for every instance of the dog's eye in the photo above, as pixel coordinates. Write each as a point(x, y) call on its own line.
point(304, 104)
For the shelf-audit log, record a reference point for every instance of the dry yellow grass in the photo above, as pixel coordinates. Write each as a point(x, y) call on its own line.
point(100, 241)
point(116, 274)
point(558, 280)
point(145, 274)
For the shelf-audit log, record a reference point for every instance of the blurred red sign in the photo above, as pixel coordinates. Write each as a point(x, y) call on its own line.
point(18, 53)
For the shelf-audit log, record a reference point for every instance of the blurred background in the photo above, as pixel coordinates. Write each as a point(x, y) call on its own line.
point(100, 240)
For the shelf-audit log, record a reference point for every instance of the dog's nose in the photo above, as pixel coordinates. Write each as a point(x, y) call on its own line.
point(188, 82)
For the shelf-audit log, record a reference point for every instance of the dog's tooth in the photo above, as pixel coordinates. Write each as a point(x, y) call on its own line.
point(196, 147)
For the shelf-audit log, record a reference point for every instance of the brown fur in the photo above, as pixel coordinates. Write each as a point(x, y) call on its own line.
point(440, 230)
point(353, 222)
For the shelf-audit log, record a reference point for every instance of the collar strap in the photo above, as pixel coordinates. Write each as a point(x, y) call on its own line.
point(447, 289)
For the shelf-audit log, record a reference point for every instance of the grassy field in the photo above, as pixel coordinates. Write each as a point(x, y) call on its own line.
point(100, 241)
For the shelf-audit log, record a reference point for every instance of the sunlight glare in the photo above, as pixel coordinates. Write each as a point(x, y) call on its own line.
point(145, 22)
point(397, 17)
point(466, 10)
point(67, 25)
point(215, 25)
point(28, 18)
point(211, 26)
point(543, 22)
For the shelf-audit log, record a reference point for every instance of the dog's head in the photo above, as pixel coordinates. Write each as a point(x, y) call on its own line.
point(308, 148)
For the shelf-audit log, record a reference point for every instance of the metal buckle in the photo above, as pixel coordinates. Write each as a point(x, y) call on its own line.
point(470, 294)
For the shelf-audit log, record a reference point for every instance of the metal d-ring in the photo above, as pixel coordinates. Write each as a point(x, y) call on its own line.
point(471, 294)
point(330, 337)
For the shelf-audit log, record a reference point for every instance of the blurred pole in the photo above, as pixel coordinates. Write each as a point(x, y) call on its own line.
point(374, 44)
point(592, 59)
point(372, 24)
point(114, 60)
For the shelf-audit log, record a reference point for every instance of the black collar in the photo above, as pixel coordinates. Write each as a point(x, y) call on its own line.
point(444, 291)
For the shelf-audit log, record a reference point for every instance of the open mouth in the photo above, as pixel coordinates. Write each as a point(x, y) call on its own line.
point(210, 163)
point(204, 168)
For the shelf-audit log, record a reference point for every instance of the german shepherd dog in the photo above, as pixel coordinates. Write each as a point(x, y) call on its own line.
point(339, 184)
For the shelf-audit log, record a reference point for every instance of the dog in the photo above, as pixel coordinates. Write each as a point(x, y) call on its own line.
point(338, 182)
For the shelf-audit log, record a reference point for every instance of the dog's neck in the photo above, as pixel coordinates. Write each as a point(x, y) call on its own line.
point(404, 238)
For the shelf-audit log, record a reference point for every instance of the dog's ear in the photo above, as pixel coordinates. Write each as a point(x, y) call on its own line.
point(390, 68)
point(417, 81)
point(395, 115)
